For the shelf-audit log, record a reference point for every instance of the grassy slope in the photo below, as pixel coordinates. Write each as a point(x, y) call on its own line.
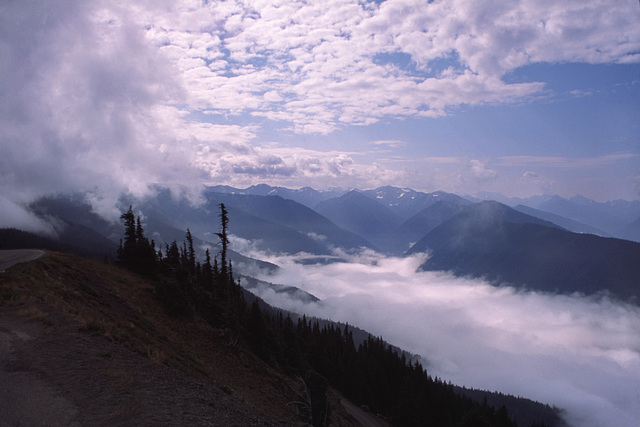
point(108, 301)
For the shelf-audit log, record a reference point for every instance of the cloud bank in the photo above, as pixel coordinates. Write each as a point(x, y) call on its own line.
point(111, 97)
point(84, 105)
point(580, 354)
point(321, 65)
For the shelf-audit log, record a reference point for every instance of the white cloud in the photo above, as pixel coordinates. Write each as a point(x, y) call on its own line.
point(388, 143)
point(474, 174)
point(14, 215)
point(315, 64)
point(480, 170)
point(581, 354)
point(82, 104)
point(248, 165)
point(112, 97)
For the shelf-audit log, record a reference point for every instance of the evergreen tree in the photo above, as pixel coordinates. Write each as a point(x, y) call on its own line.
point(136, 252)
point(139, 230)
point(224, 240)
point(126, 251)
point(257, 331)
point(207, 276)
point(191, 253)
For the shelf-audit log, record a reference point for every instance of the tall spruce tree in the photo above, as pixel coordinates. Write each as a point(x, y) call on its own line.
point(126, 251)
point(136, 252)
point(191, 253)
point(224, 241)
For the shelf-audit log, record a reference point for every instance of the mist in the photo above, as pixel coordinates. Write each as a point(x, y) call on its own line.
point(87, 108)
point(581, 354)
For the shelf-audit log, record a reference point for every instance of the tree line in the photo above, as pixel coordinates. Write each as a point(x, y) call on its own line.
point(184, 285)
point(371, 373)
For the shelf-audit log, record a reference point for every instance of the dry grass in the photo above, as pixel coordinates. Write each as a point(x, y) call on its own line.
point(113, 303)
point(126, 412)
point(32, 312)
point(120, 378)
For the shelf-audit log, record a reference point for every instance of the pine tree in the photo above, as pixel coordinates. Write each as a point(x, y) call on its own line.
point(136, 252)
point(139, 230)
point(224, 240)
point(126, 251)
point(191, 253)
point(207, 276)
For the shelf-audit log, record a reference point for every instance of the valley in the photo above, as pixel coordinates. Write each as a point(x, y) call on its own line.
point(394, 260)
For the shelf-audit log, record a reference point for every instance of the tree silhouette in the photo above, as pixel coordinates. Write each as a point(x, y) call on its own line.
point(224, 240)
point(136, 252)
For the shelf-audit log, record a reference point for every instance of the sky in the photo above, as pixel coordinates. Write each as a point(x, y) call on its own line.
point(580, 354)
point(113, 97)
point(522, 98)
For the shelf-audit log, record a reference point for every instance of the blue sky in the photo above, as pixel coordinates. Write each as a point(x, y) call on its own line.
point(522, 98)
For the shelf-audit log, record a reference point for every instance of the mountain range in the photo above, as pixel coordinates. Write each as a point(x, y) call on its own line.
point(543, 242)
point(613, 218)
point(616, 218)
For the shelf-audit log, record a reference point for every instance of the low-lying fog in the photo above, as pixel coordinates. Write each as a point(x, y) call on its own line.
point(577, 353)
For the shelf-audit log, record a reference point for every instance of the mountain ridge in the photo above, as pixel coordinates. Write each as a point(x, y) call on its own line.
point(517, 249)
point(285, 226)
point(360, 214)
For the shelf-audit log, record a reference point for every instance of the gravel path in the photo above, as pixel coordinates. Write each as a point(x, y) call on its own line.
point(25, 398)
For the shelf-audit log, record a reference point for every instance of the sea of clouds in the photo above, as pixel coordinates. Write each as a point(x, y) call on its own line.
point(578, 353)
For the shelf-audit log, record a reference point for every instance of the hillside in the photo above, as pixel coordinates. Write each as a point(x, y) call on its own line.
point(565, 223)
point(141, 366)
point(612, 217)
point(306, 196)
point(493, 241)
point(632, 231)
point(270, 223)
point(108, 353)
point(406, 202)
point(422, 223)
point(99, 349)
point(76, 238)
point(290, 214)
point(362, 215)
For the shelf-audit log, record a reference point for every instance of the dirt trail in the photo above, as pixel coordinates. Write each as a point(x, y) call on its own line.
point(16, 256)
point(25, 398)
